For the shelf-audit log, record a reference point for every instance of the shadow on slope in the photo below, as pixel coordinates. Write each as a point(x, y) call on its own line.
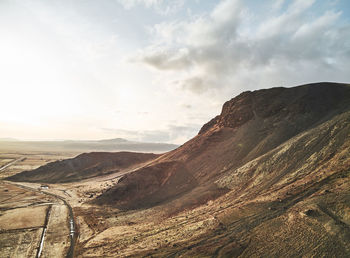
point(249, 126)
point(149, 186)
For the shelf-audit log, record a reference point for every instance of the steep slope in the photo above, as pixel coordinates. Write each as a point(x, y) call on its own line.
point(292, 201)
point(249, 126)
point(84, 166)
point(160, 182)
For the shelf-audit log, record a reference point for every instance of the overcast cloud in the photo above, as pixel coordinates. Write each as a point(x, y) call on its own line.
point(233, 47)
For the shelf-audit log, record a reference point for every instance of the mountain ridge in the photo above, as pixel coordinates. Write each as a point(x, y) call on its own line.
point(236, 138)
point(269, 176)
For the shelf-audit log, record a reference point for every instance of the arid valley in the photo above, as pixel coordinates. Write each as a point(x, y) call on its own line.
point(174, 128)
point(268, 177)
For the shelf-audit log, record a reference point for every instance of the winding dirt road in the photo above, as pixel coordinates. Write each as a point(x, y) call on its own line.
point(73, 234)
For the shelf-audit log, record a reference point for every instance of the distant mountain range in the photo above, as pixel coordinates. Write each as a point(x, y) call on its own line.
point(117, 144)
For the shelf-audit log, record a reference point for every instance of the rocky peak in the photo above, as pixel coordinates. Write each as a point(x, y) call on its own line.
point(317, 99)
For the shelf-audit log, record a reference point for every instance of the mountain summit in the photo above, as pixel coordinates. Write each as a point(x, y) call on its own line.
point(250, 125)
point(314, 101)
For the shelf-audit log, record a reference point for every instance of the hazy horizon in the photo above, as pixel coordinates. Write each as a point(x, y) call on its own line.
point(156, 70)
point(77, 140)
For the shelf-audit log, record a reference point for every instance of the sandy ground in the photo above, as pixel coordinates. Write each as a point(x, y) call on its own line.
point(56, 240)
point(20, 243)
point(23, 218)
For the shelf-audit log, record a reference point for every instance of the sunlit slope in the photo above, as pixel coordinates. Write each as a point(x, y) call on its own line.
point(249, 127)
point(292, 201)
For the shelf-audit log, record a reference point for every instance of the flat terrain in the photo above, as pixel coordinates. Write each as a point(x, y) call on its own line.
point(27, 160)
point(26, 212)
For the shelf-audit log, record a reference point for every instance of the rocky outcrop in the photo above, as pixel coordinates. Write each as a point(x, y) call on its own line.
point(312, 100)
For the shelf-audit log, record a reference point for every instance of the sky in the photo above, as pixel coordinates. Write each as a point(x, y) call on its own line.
point(156, 70)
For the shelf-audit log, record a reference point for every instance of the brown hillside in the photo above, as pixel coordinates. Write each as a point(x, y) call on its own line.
point(249, 126)
point(83, 166)
point(150, 185)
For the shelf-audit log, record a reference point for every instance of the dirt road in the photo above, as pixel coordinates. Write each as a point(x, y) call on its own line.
point(71, 225)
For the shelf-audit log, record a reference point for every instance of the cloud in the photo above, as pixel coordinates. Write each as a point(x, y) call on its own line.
point(277, 4)
point(231, 47)
point(194, 84)
point(165, 60)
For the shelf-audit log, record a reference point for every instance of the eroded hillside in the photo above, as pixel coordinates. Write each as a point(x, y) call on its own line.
point(249, 126)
